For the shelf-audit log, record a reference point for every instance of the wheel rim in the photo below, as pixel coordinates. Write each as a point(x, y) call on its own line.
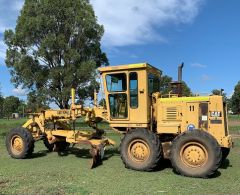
point(194, 154)
point(138, 151)
point(17, 144)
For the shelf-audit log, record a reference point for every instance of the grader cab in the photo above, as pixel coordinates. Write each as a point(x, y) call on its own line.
point(191, 131)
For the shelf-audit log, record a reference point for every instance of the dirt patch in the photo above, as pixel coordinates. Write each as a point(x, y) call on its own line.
point(3, 183)
point(234, 123)
point(234, 136)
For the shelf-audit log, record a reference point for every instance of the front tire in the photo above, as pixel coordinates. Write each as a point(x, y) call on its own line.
point(19, 143)
point(141, 150)
point(195, 154)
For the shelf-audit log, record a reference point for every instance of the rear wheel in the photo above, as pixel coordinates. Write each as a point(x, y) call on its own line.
point(141, 150)
point(19, 143)
point(195, 154)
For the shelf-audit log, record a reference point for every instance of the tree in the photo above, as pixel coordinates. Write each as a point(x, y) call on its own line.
point(21, 110)
point(102, 103)
point(87, 91)
point(186, 91)
point(36, 102)
point(235, 99)
point(1, 106)
point(220, 92)
point(216, 92)
point(165, 86)
point(10, 105)
point(55, 46)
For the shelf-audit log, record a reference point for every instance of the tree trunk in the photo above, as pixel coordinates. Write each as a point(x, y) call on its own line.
point(63, 104)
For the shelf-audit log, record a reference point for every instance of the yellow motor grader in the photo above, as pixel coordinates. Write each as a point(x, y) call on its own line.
point(190, 131)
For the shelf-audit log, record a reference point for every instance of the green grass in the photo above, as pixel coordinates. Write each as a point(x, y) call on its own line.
point(50, 173)
point(234, 129)
point(234, 117)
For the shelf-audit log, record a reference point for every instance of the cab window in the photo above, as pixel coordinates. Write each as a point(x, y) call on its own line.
point(118, 105)
point(153, 84)
point(116, 82)
point(133, 86)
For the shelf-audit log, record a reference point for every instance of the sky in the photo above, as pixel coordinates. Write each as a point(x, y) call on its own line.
point(204, 34)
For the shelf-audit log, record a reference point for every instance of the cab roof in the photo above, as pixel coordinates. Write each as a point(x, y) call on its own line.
point(129, 67)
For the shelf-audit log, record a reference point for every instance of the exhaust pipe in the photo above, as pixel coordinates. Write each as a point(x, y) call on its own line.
point(180, 67)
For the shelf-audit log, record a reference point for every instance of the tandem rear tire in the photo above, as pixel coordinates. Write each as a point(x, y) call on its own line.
point(195, 154)
point(19, 143)
point(141, 150)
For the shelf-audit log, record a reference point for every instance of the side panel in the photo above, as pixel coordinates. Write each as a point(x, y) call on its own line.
point(191, 116)
point(169, 117)
point(217, 119)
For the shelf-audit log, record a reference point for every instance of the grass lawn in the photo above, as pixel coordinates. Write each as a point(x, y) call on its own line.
point(49, 173)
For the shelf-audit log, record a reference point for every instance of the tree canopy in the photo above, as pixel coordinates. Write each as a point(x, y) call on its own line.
point(36, 102)
point(1, 106)
point(235, 99)
point(220, 92)
point(10, 105)
point(216, 92)
point(55, 46)
point(165, 86)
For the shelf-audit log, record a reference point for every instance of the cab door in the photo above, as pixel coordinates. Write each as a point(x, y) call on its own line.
point(138, 98)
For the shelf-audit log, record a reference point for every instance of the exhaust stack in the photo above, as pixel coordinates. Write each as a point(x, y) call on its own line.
point(180, 67)
point(177, 85)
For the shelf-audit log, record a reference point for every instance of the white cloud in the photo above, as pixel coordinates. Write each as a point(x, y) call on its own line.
point(17, 5)
point(2, 50)
point(198, 65)
point(9, 10)
point(129, 22)
point(126, 22)
point(19, 91)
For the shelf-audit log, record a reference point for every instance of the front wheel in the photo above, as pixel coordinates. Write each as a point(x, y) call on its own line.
point(195, 154)
point(19, 143)
point(141, 150)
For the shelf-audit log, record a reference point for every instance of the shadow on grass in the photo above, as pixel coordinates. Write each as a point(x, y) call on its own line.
point(225, 164)
point(163, 164)
point(39, 154)
point(78, 152)
point(84, 152)
point(3, 134)
point(166, 163)
point(215, 175)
